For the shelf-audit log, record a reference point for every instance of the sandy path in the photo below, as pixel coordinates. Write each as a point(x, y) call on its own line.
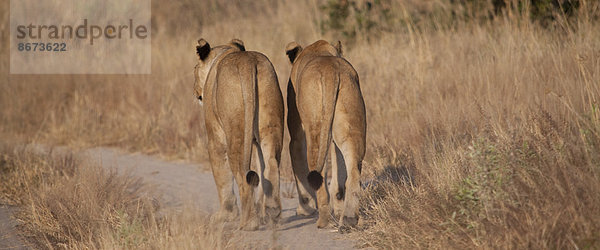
point(9, 238)
point(181, 184)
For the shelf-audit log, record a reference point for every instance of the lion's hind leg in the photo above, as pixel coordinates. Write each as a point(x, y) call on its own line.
point(353, 161)
point(228, 209)
point(338, 179)
point(297, 149)
point(249, 219)
point(350, 140)
point(259, 163)
point(270, 150)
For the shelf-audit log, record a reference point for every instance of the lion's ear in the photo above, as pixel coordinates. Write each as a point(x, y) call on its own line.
point(203, 49)
point(292, 50)
point(338, 47)
point(238, 43)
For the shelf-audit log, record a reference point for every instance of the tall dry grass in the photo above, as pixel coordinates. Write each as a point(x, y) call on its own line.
point(483, 136)
point(154, 113)
point(489, 139)
point(480, 134)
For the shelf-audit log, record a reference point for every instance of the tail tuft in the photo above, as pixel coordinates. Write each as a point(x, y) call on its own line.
point(340, 193)
point(315, 179)
point(252, 178)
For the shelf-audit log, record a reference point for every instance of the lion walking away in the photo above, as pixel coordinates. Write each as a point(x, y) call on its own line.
point(243, 109)
point(326, 114)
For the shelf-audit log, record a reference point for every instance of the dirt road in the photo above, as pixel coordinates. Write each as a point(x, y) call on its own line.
point(9, 238)
point(179, 184)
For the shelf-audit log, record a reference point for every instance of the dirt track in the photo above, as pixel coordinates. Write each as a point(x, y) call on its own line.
point(9, 238)
point(179, 184)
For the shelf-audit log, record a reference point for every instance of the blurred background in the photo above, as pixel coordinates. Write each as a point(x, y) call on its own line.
point(483, 116)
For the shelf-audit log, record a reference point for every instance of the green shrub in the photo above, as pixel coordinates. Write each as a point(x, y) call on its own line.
point(347, 18)
point(541, 11)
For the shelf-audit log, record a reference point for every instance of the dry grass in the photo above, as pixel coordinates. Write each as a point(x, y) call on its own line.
point(483, 137)
point(490, 132)
point(68, 203)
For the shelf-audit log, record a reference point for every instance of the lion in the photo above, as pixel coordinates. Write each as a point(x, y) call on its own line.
point(243, 109)
point(326, 107)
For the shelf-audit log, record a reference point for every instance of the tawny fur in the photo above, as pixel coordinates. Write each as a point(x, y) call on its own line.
point(243, 111)
point(326, 111)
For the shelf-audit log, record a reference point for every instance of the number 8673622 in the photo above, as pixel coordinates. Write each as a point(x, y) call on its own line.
point(57, 47)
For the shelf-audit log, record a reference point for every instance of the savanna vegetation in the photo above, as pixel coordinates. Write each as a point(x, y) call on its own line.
point(68, 202)
point(483, 118)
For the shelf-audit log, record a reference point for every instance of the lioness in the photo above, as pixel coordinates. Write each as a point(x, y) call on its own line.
point(243, 108)
point(324, 103)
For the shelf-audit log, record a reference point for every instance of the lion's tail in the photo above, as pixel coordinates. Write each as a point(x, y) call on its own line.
point(249, 94)
point(329, 90)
